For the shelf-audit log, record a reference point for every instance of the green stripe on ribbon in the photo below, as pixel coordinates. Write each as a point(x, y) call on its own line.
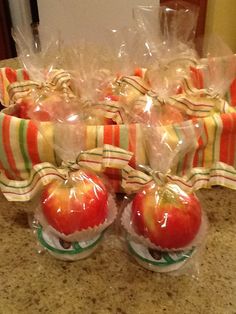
point(23, 144)
point(29, 183)
point(92, 154)
point(19, 74)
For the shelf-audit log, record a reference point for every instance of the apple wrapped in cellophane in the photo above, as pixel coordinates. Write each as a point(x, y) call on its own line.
point(77, 207)
point(73, 214)
point(164, 219)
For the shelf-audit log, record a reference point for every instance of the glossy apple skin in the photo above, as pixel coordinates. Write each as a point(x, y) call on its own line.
point(168, 216)
point(75, 204)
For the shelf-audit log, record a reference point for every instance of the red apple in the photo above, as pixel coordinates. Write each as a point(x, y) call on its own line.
point(168, 216)
point(26, 109)
point(75, 204)
point(22, 107)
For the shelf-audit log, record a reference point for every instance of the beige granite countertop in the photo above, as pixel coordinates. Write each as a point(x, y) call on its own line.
point(109, 281)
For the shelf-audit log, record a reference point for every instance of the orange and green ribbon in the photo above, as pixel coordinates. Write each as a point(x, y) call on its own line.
point(59, 80)
point(193, 101)
point(41, 174)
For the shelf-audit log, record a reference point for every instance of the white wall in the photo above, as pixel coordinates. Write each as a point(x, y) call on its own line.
point(86, 19)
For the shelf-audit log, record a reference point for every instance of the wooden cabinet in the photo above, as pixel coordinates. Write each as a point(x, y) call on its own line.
point(7, 47)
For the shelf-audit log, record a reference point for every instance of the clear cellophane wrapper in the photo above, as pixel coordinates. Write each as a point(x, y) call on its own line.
point(168, 32)
point(79, 205)
point(164, 55)
point(180, 70)
point(161, 217)
point(65, 79)
point(74, 211)
point(216, 66)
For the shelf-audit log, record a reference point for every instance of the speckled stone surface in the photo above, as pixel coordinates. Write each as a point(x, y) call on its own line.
point(110, 281)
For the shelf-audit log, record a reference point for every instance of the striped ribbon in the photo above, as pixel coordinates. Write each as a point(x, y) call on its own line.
point(112, 110)
point(199, 102)
point(41, 174)
point(8, 76)
point(59, 80)
point(133, 180)
point(195, 102)
point(197, 178)
point(135, 82)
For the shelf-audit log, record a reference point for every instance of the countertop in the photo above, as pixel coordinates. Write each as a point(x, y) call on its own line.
point(110, 281)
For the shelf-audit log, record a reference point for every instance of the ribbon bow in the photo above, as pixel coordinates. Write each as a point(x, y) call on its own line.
point(58, 81)
point(193, 101)
point(133, 180)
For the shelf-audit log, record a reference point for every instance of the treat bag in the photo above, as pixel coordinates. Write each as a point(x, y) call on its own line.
point(79, 74)
point(208, 83)
point(164, 221)
point(130, 60)
point(188, 87)
point(75, 205)
point(105, 78)
point(43, 66)
point(93, 78)
point(215, 70)
point(169, 34)
point(39, 61)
